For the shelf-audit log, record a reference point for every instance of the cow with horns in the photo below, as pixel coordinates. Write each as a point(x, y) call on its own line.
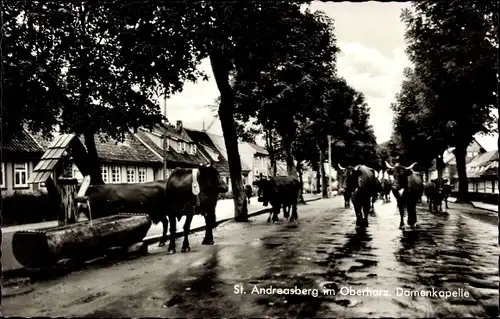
point(407, 188)
point(361, 184)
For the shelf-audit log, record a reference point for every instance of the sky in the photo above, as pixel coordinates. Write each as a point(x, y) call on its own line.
point(370, 36)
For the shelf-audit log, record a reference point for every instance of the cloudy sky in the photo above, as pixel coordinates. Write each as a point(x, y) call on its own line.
point(371, 38)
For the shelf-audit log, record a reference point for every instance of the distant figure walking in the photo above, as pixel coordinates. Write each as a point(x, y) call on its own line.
point(248, 192)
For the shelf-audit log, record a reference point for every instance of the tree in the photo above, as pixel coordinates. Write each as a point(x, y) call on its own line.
point(454, 47)
point(89, 68)
point(290, 84)
point(416, 124)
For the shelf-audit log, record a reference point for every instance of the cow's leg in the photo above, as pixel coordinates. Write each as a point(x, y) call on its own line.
point(365, 211)
point(286, 211)
point(209, 226)
point(173, 231)
point(294, 212)
point(401, 208)
point(412, 213)
point(276, 211)
point(446, 202)
point(270, 214)
point(187, 228)
point(163, 239)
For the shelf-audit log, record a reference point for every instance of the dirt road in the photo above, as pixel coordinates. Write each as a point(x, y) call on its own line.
point(321, 253)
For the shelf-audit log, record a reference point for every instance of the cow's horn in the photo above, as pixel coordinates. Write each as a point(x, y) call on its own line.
point(411, 166)
point(341, 167)
point(389, 165)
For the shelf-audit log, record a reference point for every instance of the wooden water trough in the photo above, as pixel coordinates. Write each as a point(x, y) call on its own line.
point(43, 248)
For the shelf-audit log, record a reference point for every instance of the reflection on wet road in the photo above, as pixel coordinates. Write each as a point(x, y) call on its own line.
point(355, 273)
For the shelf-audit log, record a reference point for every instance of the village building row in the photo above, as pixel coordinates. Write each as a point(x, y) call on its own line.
point(138, 159)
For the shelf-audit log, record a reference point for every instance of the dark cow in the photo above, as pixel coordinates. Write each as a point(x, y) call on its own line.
point(109, 199)
point(360, 181)
point(347, 197)
point(446, 192)
point(386, 189)
point(190, 192)
point(279, 191)
point(407, 187)
point(248, 192)
point(433, 194)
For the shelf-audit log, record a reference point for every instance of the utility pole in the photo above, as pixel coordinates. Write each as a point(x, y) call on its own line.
point(165, 137)
point(329, 163)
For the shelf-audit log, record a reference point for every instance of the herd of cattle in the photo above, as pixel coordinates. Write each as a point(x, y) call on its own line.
point(362, 186)
point(189, 192)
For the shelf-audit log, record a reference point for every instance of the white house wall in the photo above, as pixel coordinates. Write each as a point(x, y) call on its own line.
point(9, 189)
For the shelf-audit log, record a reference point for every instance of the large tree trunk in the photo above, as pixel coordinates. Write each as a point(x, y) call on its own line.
point(270, 149)
point(439, 166)
point(318, 181)
point(94, 165)
point(220, 68)
point(340, 180)
point(324, 187)
point(301, 180)
point(463, 186)
point(290, 166)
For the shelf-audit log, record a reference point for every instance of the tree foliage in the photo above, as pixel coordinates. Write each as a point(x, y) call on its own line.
point(90, 68)
point(453, 46)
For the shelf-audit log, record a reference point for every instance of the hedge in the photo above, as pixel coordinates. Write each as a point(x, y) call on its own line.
point(26, 208)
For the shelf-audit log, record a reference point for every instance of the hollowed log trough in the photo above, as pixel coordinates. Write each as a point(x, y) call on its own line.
point(43, 248)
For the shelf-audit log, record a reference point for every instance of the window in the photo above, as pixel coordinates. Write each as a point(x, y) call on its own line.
point(179, 146)
point(115, 174)
point(104, 173)
point(184, 146)
point(194, 148)
point(20, 174)
point(142, 174)
point(2, 175)
point(131, 174)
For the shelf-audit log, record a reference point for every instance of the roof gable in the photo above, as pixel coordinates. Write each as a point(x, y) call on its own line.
point(130, 150)
point(211, 151)
point(22, 142)
point(172, 155)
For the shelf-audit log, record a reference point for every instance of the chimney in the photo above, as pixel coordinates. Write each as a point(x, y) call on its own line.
point(203, 123)
point(178, 126)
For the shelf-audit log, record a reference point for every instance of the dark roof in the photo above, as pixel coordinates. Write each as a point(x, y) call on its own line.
point(492, 169)
point(172, 155)
point(22, 142)
point(258, 149)
point(207, 146)
point(130, 150)
point(172, 132)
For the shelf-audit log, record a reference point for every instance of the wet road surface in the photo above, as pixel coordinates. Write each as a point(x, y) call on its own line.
point(346, 273)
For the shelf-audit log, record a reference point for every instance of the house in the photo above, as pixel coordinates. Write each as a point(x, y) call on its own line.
point(481, 173)
point(207, 146)
point(181, 150)
point(450, 163)
point(20, 155)
point(130, 161)
point(220, 144)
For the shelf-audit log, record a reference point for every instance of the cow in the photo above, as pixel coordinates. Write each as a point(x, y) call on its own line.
point(433, 194)
point(407, 187)
point(248, 192)
point(386, 189)
point(279, 191)
point(360, 181)
point(190, 192)
point(347, 198)
point(446, 192)
point(110, 199)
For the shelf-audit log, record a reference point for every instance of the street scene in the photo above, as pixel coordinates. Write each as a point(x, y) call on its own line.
point(452, 251)
point(253, 159)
